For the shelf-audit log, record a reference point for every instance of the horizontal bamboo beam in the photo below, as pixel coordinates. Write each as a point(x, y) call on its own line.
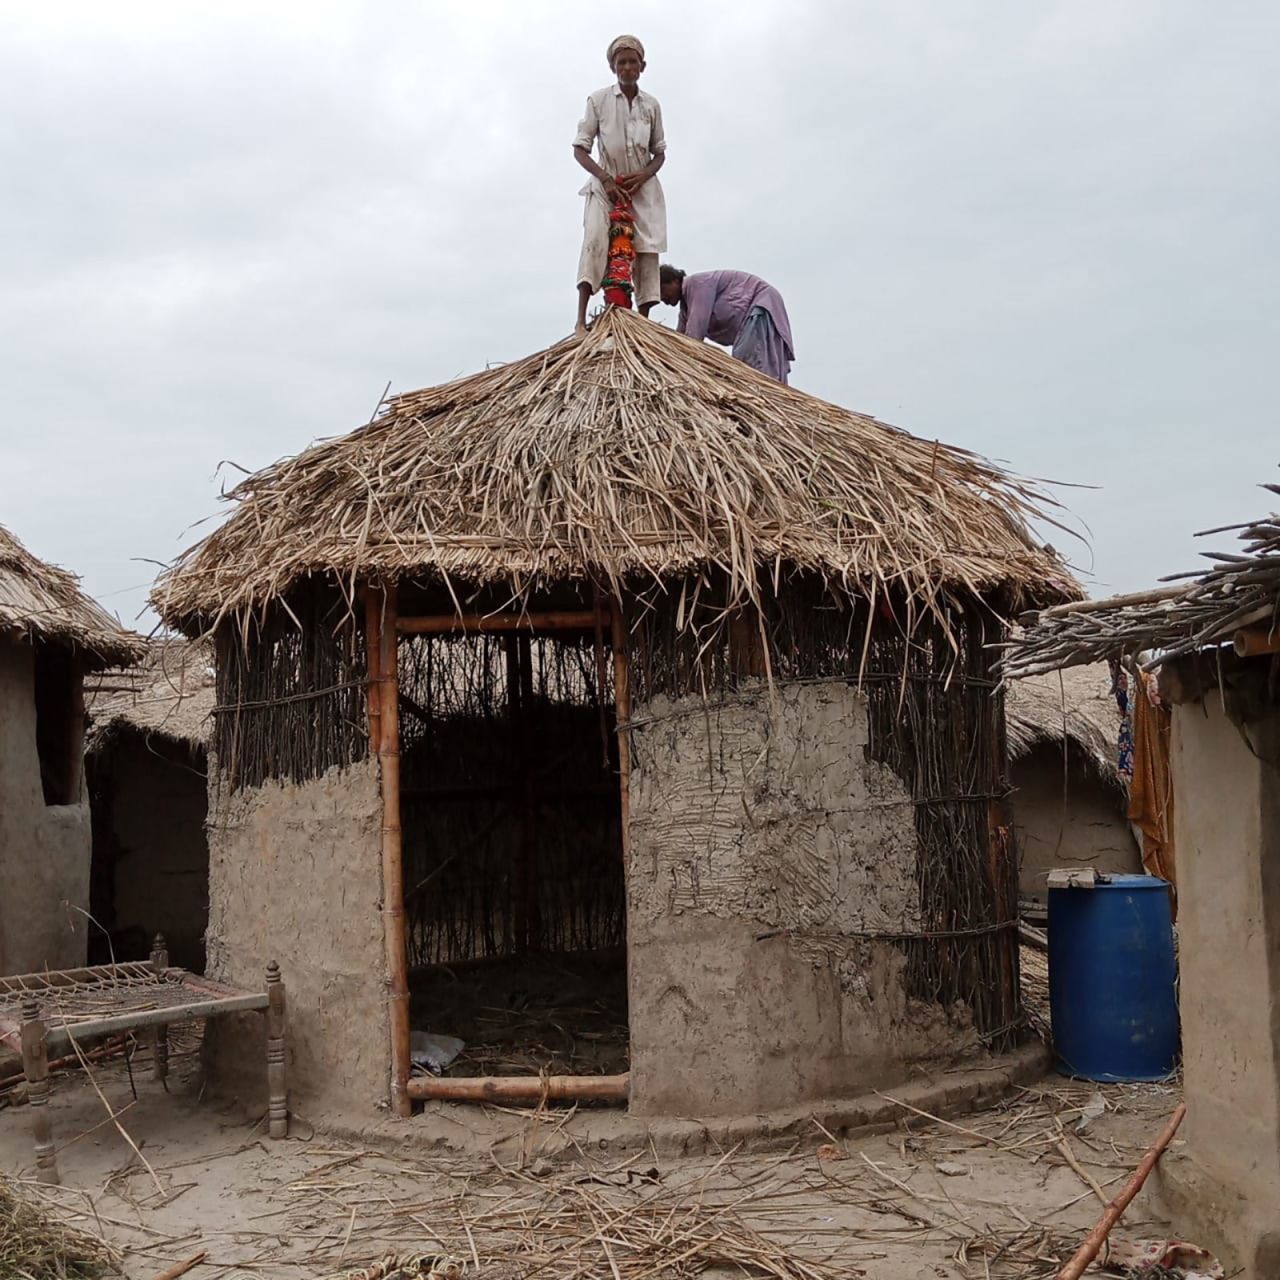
point(1249, 642)
point(444, 623)
point(522, 1088)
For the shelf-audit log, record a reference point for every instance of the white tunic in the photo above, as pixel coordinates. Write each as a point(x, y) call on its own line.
point(629, 134)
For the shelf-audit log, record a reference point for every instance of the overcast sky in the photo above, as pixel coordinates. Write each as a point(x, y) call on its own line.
point(1047, 232)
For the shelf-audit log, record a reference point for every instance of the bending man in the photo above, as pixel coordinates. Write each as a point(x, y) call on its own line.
point(737, 310)
point(626, 124)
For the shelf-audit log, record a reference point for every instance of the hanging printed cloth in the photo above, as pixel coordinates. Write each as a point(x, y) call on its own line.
point(1124, 752)
point(622, 251)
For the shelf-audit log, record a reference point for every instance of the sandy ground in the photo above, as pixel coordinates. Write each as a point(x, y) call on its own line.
point(992, 1195)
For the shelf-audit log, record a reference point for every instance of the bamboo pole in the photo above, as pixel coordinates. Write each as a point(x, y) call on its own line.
point(393, 854)
point(554, 620)
point(1097, 1237)
point(1249, 642)
point(522, 1088)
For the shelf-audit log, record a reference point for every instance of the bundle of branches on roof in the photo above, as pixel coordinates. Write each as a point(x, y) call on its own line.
point(1199, 609)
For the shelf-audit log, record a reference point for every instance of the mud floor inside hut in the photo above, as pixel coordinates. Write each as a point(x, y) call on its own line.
point(565, 1014)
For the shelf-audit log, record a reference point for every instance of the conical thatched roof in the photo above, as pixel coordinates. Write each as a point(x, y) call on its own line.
point(41, 601)
point(169, 691)
point(630, 451)
point(1076, 705)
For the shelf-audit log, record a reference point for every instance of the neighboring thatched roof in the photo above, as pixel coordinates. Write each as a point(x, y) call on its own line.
point(632, 451)
point(1241, 590)
point(1075, 705)
point(40, 601)
point(169, 692)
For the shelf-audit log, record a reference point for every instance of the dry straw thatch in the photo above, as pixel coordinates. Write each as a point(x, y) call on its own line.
point(1075, 705)
point(630, 453)
point(169, 692)
point(39, 601)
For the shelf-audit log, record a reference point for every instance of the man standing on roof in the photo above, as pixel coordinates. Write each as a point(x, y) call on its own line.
point(737, 310)
point(626, 123)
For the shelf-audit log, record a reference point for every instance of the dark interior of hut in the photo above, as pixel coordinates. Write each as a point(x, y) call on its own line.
point(513, 874)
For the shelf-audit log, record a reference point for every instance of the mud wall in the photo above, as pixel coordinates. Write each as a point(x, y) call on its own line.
point(761, 839)
point(1074, 821)
point(1226, 779)
point(295, 875)
point(151, 795)
point(44, 849)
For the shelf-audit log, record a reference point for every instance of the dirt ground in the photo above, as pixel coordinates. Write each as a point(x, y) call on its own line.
point(991, 1194)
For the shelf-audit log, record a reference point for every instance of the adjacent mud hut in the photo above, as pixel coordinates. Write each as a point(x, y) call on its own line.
point(630, 717)
point(1069, 799)
point(147, 770)
point(1215, 636)
point(51, 635)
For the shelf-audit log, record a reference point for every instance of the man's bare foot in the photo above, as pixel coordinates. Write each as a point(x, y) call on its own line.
point(579, 329)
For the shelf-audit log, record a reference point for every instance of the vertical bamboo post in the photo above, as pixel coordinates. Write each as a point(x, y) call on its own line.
point(277, 1083)
point(160, 1033)
point(35, 1066)
point(393, 854)
point(622, 718)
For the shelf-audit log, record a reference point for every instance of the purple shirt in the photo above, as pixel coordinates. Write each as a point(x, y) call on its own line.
point(716, 304)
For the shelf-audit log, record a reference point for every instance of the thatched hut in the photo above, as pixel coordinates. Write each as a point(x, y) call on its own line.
point(1214, 637)
point(147, 768)
point(623, 702)
point(51, 635)
point(1069, 799)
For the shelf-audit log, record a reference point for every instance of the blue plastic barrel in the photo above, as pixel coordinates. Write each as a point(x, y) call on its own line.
point(1112, 976)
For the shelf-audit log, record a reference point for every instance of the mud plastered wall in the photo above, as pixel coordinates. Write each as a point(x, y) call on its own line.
point(44, 849)
point(762, 815)
point(1225, 1183)
point(1072, 821)
point(295, 876)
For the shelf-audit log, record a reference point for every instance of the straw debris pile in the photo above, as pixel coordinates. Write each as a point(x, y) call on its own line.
point(33, 1246)
point(632, 452)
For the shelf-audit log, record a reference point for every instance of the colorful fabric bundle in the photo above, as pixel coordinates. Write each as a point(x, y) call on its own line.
point(617, 273)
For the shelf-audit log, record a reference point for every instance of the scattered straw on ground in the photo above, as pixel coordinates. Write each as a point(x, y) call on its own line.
point(34, 1245)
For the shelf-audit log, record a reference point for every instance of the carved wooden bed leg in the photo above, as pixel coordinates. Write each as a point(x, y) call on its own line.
point(35, 1065)
point(160, 1034)
point(277, 1089)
